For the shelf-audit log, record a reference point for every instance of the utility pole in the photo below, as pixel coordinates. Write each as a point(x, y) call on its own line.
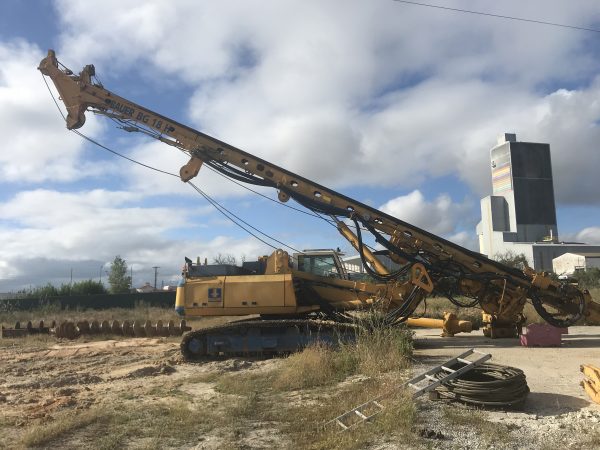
point(155, 275)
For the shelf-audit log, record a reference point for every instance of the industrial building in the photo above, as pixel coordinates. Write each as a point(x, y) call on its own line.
point(569, 263)
point(520, 215)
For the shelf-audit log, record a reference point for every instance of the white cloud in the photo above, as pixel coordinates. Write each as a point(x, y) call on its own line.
point(440, 216)
point(73, 225)
point(22, 272)
point(465, 239)
point(570, 122)
point(348, 93)
point(590, 235)
point(370, 88)
point(144, 180)
point(69, 228)
point(37, 148)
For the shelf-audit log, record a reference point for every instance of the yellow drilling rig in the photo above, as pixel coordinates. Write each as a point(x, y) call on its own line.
point(297, 296)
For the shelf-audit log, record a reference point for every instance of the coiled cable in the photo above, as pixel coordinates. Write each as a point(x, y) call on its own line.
point(487, 385)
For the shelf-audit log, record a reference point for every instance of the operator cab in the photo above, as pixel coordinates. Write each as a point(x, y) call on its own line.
point(321, 262)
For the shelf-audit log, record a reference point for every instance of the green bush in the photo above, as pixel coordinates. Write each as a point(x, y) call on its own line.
point(589, 278)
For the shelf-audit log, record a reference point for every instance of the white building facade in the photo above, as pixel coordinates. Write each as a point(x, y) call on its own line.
point(568, 263)
point(520, 215)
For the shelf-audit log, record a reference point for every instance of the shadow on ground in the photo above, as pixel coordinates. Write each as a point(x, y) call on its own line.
point(551, 404)
point(481, 342)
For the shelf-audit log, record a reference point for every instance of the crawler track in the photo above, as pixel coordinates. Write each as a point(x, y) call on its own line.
point(263, 337)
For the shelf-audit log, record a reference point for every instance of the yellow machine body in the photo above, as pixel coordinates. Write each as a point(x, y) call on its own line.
point(238, 295)
point(277, 291)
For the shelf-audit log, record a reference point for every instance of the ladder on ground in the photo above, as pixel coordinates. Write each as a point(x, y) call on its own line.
point(420, 384)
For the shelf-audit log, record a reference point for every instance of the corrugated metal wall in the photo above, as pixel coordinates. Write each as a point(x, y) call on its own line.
point(103, 301)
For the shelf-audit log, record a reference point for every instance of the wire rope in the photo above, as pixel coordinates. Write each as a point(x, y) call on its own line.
point(499, 16)
point(219, 207)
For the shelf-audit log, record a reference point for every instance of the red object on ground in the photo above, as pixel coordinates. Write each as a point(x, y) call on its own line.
point(542, 335)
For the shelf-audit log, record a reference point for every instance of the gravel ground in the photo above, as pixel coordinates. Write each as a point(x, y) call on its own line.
point(557, 413)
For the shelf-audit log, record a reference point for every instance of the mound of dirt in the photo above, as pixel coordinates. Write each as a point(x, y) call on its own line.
point(152, 371)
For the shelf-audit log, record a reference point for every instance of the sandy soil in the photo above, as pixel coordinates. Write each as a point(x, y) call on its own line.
point(40, 378)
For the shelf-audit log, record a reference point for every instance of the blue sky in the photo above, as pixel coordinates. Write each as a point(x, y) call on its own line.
point(392, 104)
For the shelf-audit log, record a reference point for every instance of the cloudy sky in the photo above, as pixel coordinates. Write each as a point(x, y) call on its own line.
point(393, 104)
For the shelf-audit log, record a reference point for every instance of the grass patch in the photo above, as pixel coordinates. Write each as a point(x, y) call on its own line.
point(162, 424)
point(48, 313)
point(31, 342)
point(64, 424)
point(316, 365)
point(298, 418)
point(243, 383)
point(9, 316)
point(304, 425)
point(380, 348)
point(377, 349)
point(246, 407)
point(206, 377)
point(307, 389)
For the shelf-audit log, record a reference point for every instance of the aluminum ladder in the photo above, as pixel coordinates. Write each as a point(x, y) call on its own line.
point(373, 407)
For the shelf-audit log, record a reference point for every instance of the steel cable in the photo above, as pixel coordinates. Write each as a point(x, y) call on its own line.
point(487, 385)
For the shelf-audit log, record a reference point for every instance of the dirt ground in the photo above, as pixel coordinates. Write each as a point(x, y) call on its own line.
point(48, 388)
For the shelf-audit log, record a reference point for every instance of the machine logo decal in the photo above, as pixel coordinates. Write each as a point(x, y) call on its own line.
point(214, 294)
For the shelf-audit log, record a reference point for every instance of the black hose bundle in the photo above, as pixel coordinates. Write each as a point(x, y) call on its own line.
point(487, 385)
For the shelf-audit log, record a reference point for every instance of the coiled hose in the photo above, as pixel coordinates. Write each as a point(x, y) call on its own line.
point(487, 385)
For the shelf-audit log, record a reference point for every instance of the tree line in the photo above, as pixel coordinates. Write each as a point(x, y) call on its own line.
point(118, 281)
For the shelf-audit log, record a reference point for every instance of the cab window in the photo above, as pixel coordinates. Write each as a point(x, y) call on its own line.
point(324, 266)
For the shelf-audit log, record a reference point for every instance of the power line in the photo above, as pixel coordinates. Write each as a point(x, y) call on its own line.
point(213, 202)
point(499, 16)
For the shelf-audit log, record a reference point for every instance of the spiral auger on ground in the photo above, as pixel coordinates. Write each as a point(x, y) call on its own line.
point(72, 330)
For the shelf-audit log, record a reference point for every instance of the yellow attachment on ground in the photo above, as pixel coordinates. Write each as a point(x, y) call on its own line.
point(592, 383)
point(450, 324)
